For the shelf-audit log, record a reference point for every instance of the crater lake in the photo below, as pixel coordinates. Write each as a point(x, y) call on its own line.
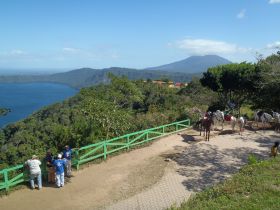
point(24, 99)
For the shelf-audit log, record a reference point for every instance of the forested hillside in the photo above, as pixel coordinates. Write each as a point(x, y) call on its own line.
point(98, 113)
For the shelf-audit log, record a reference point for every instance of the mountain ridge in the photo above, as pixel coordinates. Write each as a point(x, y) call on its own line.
point(193, 64)
point(85, 77)
point(179, 71)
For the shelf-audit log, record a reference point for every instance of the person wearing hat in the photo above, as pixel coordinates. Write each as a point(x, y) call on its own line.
point(35, 171)
point(59, 165)
point(67, 154)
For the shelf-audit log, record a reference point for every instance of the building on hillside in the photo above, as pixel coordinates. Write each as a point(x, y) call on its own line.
point(159, 82)
point(179, 85)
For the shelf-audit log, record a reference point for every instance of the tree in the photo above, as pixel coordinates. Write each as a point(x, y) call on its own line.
point(233, 82)
point(268, 86)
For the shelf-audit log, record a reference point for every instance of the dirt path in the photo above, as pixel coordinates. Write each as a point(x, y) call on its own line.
point(142, 179)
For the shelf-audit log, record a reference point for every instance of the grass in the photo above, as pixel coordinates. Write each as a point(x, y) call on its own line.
point(255, 186)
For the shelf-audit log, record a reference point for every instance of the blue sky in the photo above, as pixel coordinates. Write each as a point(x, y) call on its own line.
point(68, 34)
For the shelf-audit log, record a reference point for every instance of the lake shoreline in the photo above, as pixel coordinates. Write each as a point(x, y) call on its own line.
point(23, 99)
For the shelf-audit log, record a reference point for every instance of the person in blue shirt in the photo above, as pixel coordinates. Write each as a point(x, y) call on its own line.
point(67, 154)
point(59, 165)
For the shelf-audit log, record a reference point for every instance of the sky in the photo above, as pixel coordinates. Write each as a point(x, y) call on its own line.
point(69, 34)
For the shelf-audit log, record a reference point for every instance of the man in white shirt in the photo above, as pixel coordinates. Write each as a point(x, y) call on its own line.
point(35, 171)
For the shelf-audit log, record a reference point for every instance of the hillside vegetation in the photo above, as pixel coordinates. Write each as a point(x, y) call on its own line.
point(98, 113)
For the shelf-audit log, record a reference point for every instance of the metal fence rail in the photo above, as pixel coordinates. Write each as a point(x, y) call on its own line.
point(104, 148)
point(10, 177)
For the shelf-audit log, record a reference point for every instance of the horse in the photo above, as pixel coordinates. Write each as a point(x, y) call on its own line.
point(241, 123)
point(199, 123)
point(206, 125)
point(219, 117)
point(263, 117)
point(276, 117)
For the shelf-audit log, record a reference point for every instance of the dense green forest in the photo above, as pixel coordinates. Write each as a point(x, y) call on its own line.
point(94, 114)
point(257, 85)
point(123, 106)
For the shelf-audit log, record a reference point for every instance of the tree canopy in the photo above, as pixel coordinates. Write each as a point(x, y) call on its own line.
point(233, 82)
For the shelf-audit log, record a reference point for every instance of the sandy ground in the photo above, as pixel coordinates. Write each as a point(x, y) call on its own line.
point(154, 177)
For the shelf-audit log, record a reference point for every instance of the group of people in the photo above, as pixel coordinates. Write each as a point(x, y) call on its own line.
point(55, 166)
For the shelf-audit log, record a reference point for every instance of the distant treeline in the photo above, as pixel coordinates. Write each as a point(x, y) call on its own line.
point(86, 77)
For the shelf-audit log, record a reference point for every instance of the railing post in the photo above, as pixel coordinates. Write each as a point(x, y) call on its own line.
point(147, 135)
point(127, 142)
point(176, 127)
point(77, 159)
point(6, 180)
point(44, 170)
point(105, 150)
point(163, 130)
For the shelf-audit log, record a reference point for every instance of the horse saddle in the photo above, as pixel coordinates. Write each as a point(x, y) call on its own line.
point(227, 117)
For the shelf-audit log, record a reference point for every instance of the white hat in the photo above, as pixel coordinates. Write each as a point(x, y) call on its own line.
point(59, 156)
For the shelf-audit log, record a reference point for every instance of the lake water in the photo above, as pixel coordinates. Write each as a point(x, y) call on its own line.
point(24, 99)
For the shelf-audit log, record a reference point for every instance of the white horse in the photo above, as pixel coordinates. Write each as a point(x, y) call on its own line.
point(241, 123)
point(263, 117)
point(276, 117)
point(219, 118)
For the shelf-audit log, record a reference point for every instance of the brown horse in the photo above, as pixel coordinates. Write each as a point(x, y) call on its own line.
point(205, 125)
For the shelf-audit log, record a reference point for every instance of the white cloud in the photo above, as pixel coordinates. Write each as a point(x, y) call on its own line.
point(205, 46)
point(13, 53)
point(17, 52)
point(70, 49)
point(241, 14)
point(274, 1)
point(275, 45)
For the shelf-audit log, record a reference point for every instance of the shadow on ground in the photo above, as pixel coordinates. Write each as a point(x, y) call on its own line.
point(204, 165)
point(190, 139)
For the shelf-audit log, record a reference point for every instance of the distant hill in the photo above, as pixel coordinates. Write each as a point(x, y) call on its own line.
point(180, 71)
point(86, 77)
point(193, 64)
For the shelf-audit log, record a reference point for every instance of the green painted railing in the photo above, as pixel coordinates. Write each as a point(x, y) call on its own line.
point(10, 177)
point(104, 148)
point(18, 174)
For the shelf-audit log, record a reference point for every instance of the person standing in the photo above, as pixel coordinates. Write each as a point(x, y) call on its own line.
point(59, 165)
point(51, 171)
point(67, 154)
point(35, 171)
